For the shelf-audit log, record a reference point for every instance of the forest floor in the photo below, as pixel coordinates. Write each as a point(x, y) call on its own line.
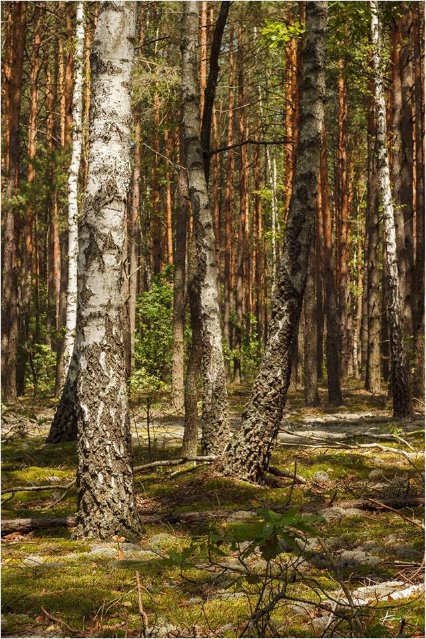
point(344, 556)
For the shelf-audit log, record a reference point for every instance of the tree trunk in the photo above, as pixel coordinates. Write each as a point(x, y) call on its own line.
point(310, 335)
point(399, 372)
point(247, 455)
point(134, 221)
point(419, 272)
point(241, 281)
point(290, 112)
point(190, 433)
point(215, 428)
point(372, 379)
point(29, 245)
point(77, 118)
point(64, 424)
point(228, 203)
point(332, 344)
point(9, 314)
point(106, 503)
point(178, 348)
point(342, 213)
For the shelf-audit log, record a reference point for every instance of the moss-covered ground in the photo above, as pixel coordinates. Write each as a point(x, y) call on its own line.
point(55, 586)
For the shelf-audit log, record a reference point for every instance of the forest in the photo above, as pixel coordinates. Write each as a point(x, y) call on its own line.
point(212, 318)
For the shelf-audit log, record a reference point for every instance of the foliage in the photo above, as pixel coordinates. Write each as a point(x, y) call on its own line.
point(277, 34)
point(272, 533)
point(251, 349)
point(153, 337)
point(41, 370)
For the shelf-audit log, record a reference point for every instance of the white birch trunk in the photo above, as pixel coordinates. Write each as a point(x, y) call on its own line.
point(104, 478)
point(399, 373)
point(77, 118)
point(215, 426)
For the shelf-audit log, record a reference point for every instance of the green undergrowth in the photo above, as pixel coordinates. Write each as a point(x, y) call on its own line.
point(96, 595)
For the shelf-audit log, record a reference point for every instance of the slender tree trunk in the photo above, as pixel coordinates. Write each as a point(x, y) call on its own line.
point(64, 424)
point(319, 292)
point(419, 272)
point(77, 113)
point(399, 372)
point(259, 274)
point(372, 379)
point(406, 194)
point(9, 315)
point(157, 261)
point(241, 281)
point(215, 427)
point(332, 345)
point(168, 143)
point(190, 433)
point(290, 111)
point(106, 504)
point(178, 348)
point(27, 279)
point(342, 212)
point(134, 232)
point(247, 455)
point(228, 202)
point(310, 335)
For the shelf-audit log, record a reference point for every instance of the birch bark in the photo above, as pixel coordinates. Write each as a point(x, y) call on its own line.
point(77, 120)
point(247, 455)
point(106, 504)
point(215, 427)
point(399, 373)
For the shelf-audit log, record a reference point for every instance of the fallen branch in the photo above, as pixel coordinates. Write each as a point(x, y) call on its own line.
point(287, 474)
point(372, 504)
point(73, 631)
point(414, 522)
point(36, 523)
point(175, 462)
point(30, 489)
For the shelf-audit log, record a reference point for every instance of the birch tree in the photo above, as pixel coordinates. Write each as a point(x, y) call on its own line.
point(400, 385)
point(247, 455)
point(77, 122)
point(106, 504)
point(64, 425)
point(215, 427)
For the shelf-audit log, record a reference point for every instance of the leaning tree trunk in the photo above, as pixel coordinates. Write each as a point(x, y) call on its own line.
point(399, 372)
point(106, 504)
point(64, 425)
point(247, 455)
point(215, 427)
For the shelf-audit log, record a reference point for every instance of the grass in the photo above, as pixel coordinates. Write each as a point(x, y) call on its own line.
point(97, 596)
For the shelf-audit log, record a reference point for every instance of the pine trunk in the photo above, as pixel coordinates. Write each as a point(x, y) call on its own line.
point(9, 314)
point(332, 344)
point(310, 335)
point(419, 281)
point(372, 379)
point(228, 204)
point(247, 455)
point(178, 348)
